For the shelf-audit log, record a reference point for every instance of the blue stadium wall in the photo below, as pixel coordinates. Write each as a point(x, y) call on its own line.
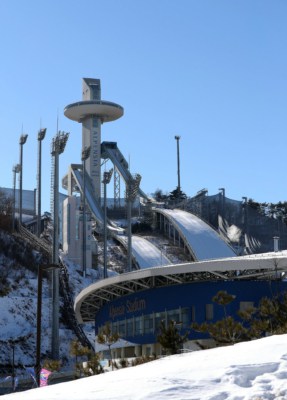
point(188, 302)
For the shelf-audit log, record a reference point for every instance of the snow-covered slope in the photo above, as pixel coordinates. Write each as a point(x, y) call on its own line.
point(255, 370)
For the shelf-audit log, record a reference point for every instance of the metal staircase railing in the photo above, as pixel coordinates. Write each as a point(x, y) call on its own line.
point(64, 286)
point(69, 307)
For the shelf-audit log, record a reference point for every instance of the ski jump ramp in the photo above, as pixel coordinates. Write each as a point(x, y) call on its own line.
point(202, 241)
point(145, 254)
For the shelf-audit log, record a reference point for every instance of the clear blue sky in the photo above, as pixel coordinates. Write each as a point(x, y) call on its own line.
point(212, 71)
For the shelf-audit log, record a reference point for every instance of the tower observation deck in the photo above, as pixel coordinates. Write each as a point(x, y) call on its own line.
point(92, 112)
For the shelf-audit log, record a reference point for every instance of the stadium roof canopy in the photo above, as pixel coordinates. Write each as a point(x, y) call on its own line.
point(256, 266)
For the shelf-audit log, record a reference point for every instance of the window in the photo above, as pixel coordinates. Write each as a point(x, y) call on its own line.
point(193, 314)
point(185, 317)
point(148, 323)
point(115, 327)
point(138, 326)
point(245, 305)
point(158, 318)
point(130, 327)
point(173, 315)
point(208, 312)
point(122, 328)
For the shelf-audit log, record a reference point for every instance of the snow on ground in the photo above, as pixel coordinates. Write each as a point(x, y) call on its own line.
point(146, 253)
point(254, 370)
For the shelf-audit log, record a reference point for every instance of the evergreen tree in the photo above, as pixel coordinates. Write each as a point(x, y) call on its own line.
point(170, 338)
point(226, 330)
point(6, 210)
point(223, 299)
point(159, 196)
point(108, 337)
point(177, 194)
point(270, 317)
point(77, 350)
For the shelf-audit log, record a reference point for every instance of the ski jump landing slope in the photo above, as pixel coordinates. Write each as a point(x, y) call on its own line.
point(202, 240)
point(145, 254)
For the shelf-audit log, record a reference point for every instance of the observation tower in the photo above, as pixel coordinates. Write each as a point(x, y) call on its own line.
point(92, 112)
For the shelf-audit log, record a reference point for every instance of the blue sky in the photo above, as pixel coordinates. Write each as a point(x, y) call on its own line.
point(212, 71)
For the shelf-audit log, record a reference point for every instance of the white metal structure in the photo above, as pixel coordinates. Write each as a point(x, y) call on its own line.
point(202, 241)
point(259, 266)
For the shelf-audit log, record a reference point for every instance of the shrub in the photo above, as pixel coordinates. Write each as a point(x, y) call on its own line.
point(170, 338)
point(142, 360)
point(124, 362)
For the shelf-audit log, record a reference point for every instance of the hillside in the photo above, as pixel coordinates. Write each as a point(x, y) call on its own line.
point(18, 301)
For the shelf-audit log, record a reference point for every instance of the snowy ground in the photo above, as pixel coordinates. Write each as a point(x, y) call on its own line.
point(254, 370)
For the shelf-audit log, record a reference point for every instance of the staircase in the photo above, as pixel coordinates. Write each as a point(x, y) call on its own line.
point(65, 291)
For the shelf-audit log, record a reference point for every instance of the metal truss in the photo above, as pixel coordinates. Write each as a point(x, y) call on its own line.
point(103, 292)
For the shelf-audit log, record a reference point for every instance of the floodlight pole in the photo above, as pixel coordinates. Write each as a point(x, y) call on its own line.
point(41, 136)
point(131, 194)
point(13, 366)
point(85, 155)
point(16, 170)
point(58, 147)
point(22, 141)
point(41, 268)
point(106, 179)
point(177, 138)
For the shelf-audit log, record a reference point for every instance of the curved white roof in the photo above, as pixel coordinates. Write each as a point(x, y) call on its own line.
point(105, 110)
point(204, 241)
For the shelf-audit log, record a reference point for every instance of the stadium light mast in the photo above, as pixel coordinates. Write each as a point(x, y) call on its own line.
point(85, 155)
point(106, 180)
point(16, 170)
point(58, 147)
point(41, 136)
point(177, 138)
point(22, 141)
point(131, 194)
point(41, 269)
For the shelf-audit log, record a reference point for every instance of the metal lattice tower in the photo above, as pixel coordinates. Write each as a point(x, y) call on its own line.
point(117, 188)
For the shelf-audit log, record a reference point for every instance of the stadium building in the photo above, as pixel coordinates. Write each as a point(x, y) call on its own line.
point(135, 302)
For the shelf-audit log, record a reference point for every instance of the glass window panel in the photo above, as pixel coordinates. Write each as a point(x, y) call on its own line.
point(158, 318)
point(245, 305)
point(209, 312)
point(130, 327)
point(185, 317)
point(122, 328)
point(148, 323)
point(138, 326)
